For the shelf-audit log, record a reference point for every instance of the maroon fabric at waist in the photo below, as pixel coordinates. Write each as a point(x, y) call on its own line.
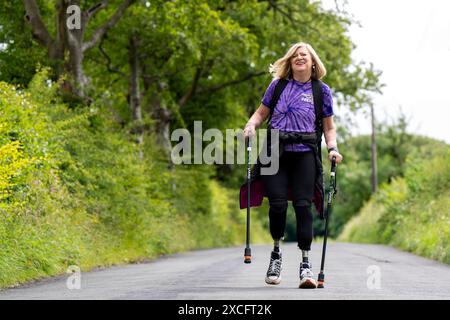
point(258, 192)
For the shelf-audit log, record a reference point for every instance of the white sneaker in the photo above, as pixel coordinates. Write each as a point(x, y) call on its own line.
point(273, 275)
point(307, 280)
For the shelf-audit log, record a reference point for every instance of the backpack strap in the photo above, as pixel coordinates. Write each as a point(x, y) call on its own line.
point(279, 87)
point(318, 108)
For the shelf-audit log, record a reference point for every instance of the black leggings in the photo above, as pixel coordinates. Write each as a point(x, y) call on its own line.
point(297, 168)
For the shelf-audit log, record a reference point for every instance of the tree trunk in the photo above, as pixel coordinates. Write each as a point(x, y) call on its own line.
point(76, 56)
point(374, 153)
point(161, 115)
point(134, 89)
point(162, 129)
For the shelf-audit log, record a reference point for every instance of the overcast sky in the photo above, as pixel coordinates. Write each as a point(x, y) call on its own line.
point(409, 40)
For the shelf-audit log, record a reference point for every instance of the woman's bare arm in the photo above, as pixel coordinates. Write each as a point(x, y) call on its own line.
point(258, 117)
point(329, 130)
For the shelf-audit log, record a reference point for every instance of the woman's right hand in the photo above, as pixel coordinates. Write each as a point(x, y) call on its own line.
point(249, 130)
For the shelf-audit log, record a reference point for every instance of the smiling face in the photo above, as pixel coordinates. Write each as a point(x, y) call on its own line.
point(301, 61)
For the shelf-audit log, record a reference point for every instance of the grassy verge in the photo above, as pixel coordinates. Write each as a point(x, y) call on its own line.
point(411, 213)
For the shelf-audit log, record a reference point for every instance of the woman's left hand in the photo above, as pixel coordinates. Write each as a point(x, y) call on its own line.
point(336, 154)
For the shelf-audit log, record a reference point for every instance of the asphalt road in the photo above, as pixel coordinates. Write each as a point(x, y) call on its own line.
point(353, 271)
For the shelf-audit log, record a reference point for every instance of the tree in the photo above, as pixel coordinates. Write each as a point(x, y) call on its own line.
point(70, 35)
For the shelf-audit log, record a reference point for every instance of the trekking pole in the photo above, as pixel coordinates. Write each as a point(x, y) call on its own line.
point(331, 193)
point(248, 251)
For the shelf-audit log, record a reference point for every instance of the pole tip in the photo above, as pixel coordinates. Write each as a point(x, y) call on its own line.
point(321, 280)
point(248, 259)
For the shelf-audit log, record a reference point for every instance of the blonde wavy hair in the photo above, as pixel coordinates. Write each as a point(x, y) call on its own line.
point(281, 69)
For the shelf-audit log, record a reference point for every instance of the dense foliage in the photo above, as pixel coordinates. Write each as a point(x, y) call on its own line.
point(394, 144)
point(411, 213)
point(74, 191)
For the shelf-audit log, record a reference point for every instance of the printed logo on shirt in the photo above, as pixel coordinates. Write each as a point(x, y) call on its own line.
point(305, 97)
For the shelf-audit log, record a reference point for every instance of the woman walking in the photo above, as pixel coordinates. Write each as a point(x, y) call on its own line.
point(294, 112)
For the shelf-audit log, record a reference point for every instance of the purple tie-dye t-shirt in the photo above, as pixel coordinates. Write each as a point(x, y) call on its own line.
point(294, 111)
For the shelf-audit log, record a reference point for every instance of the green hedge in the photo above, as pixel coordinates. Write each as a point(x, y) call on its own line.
point(74, 190)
